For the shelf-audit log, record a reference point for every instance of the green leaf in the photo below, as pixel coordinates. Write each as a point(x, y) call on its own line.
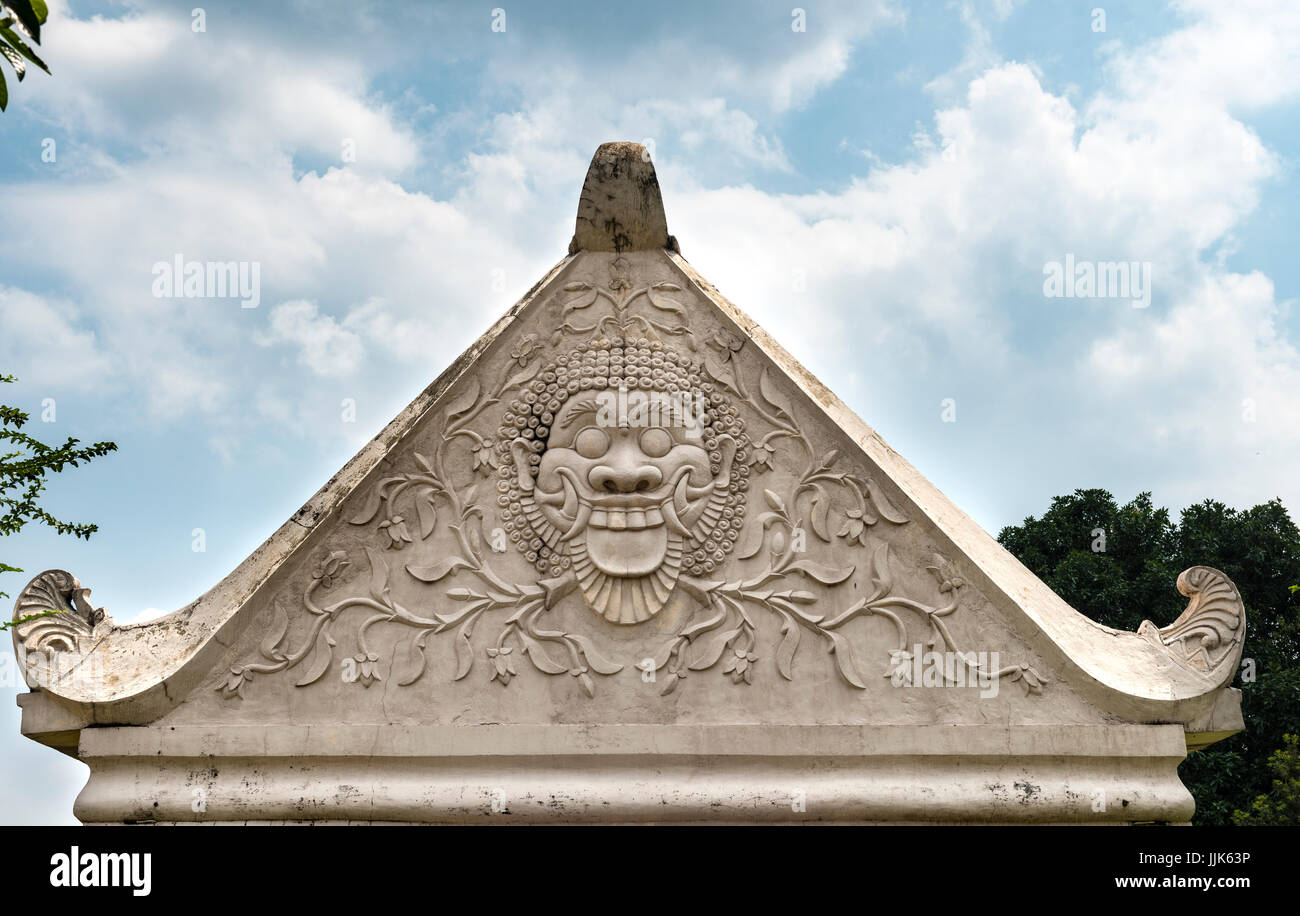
point(15, 60)
point(31, 13)
point(4, 92)
point(23, 48)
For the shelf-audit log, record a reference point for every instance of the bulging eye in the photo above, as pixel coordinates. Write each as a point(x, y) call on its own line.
point(591, 442)
point(656, 442)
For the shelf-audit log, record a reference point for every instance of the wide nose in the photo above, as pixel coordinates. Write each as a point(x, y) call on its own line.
point(624, 477)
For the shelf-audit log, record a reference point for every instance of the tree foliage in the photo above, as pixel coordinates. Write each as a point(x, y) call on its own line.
point(20, 28)
point(1132, 580)
point(25, 464)
point(1281, 806)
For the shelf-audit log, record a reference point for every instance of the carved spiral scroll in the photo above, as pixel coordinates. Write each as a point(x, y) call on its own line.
point(1207, 637)
point(55, 616)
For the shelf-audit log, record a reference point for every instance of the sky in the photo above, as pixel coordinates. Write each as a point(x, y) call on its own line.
point(885, 190)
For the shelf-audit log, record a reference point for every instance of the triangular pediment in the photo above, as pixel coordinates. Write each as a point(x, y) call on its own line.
point(627, 505)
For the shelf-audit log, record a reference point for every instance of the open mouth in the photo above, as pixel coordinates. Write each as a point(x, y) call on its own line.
point(627, 511)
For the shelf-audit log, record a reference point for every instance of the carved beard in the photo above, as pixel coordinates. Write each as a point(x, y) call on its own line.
point(627, 549)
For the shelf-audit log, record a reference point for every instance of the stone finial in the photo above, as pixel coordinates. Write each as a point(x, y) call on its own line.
point(621, 208)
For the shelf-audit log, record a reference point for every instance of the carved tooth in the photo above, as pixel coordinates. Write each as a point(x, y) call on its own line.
point(570, 509)
point(617, 520)
point(653, 518)
point(549, 499)
point(700, 492)
point(599, 519)
point(674, 523)
point(579, 523)
point(636, 519)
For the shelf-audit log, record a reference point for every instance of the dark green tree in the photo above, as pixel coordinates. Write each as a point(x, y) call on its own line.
point(20, 23)
point(25, 464)
point(1281, 806)
point(1132, 579)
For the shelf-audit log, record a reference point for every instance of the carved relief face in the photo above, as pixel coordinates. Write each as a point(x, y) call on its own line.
point(629, 486)
point(625, 488)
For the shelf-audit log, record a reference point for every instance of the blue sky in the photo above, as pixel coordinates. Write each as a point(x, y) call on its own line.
point(914, 165)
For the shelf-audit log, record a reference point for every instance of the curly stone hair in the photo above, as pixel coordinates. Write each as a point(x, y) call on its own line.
point(613, 362)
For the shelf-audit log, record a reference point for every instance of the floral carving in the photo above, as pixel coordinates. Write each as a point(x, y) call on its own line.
point(621, 544)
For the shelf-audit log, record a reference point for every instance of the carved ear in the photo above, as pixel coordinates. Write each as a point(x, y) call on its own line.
point(520, 451)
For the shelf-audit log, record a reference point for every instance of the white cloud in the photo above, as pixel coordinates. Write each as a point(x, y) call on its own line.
point(148, 81)
point(48, 339)
point(323, 346)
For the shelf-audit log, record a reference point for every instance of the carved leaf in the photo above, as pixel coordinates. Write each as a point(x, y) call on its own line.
point(437, 570)
point(722, 372)
point(843, 652)
point(754, 535)
point(465, 400)
point(371, 507)
point(428, 513)
point(706, 624)
point(409, 660)
point(884, 508)
point(826, 461)
point(540, 659)
point(711, 648)
point(773, 394)
point(523, 375)
point(880, 576)
point(378, 576)
point(321, 656)
point(579, 302)
point(789, 643)
point(595, 660)
point(821, 508)
point(827, 575)
point(774, 501)
point(270, 647)
point(667, 305)
point(464, 651)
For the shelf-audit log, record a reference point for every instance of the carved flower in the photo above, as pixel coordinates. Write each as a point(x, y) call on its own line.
point(367, 668)
point(740, 666)
point(1032, 680)
point(900, 671)
point(397, 533)
point(330, 570)
point(946, 573)
point(525, 349)
point(855, 526)
point(762, 459)
point(484, 455)
point(725, 341)
point(234, 684)
point(505, 667)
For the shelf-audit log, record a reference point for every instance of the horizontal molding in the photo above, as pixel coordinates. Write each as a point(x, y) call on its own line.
point(371, 741)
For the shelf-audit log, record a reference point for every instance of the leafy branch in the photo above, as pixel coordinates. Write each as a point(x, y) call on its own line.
point(20, 23)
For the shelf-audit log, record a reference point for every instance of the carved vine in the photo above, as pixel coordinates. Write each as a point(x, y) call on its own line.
point(721, 632)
